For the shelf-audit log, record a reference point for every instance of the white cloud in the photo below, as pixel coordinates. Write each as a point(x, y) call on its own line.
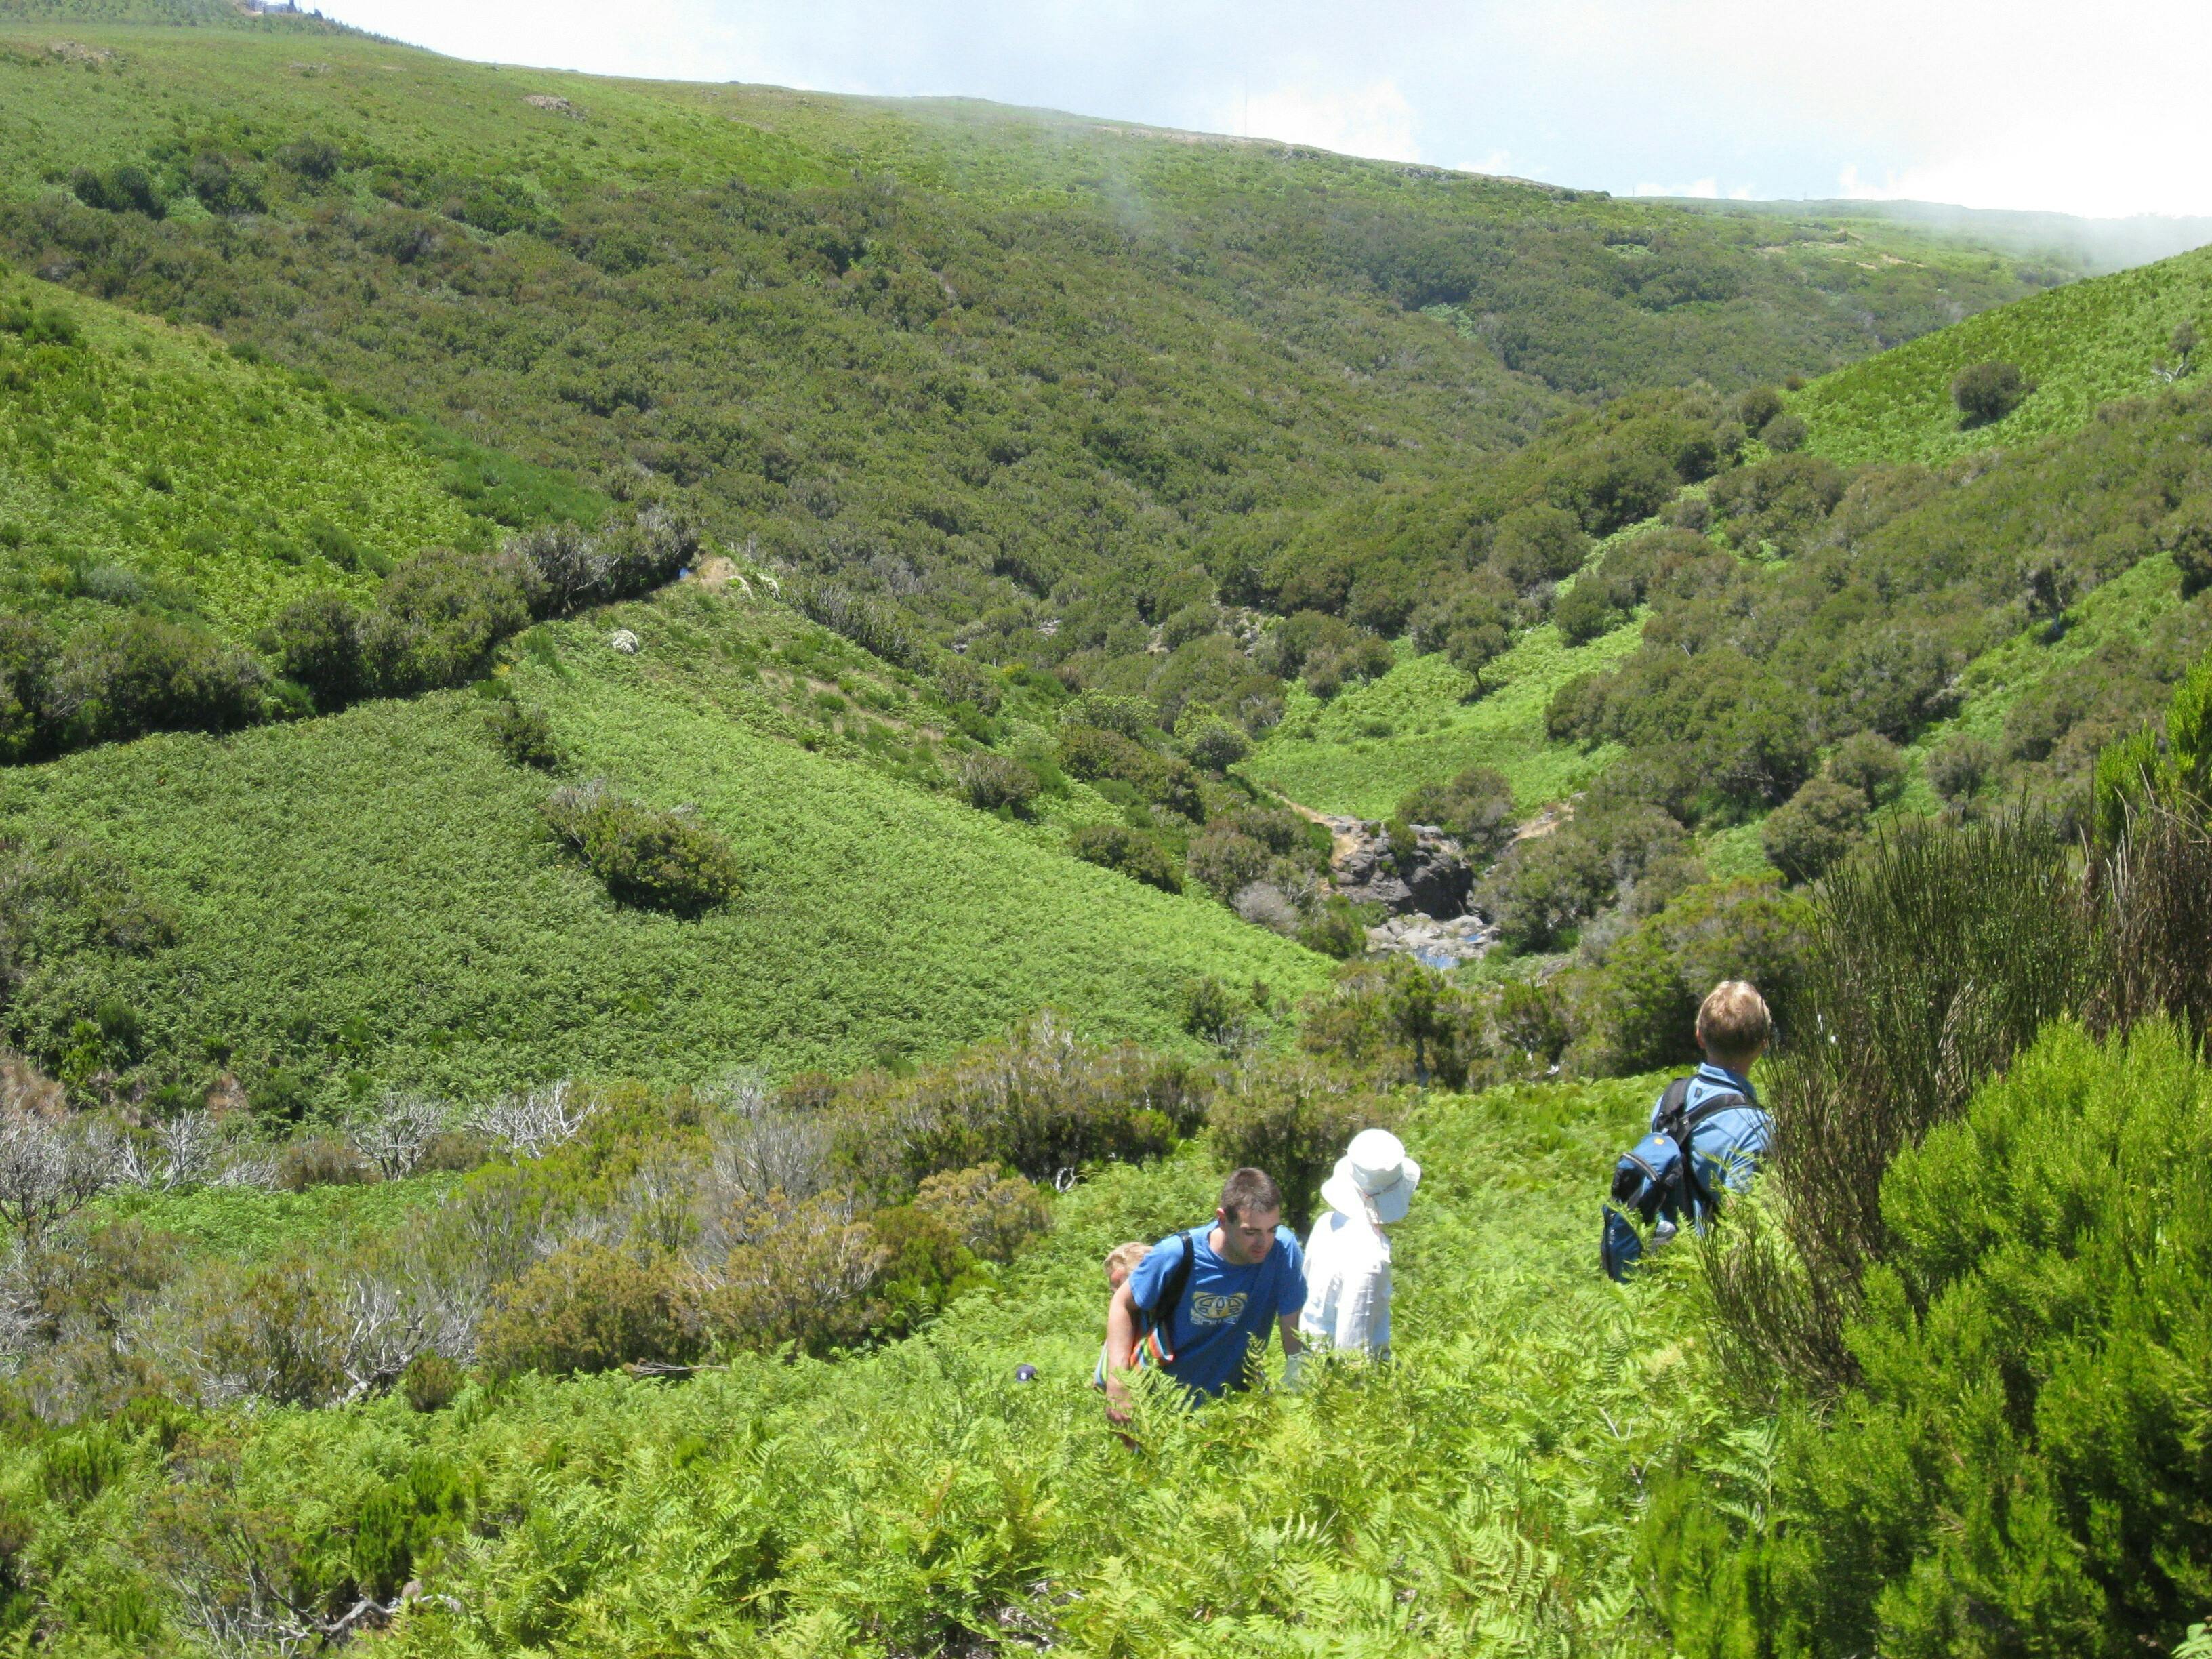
point(1376, 119)
point(1999, 103)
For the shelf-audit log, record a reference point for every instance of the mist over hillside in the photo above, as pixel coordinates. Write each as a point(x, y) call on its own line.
point(2084, 247)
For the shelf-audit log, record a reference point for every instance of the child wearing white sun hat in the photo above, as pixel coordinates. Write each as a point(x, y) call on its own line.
point(1348, 1255)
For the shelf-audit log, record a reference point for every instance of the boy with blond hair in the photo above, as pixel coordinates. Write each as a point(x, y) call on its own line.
point(1708, 1133)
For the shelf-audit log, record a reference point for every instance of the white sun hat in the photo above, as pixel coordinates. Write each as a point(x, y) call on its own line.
point(1373, 1178)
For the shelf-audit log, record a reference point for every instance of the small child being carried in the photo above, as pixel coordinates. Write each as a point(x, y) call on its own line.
point(1121, 1262)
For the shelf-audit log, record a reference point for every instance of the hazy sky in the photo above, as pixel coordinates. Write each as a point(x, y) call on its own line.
point(2083, 107)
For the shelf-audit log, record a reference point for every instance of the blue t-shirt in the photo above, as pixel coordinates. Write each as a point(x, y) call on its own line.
point(1223, 1307)
point(1738, 1134)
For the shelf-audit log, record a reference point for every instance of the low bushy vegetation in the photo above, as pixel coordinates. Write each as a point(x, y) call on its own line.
point(665, 860)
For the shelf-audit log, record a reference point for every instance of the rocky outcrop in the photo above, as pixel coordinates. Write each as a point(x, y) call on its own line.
point(1433, 943)
point(1432, 877)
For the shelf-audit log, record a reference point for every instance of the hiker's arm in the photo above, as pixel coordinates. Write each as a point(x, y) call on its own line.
point(1292, 1342)
point(1121, 1337)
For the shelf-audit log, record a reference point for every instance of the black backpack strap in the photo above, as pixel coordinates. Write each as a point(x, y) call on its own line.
point(1671, 1105)
point(1162, 1312)
point(1685, 1131)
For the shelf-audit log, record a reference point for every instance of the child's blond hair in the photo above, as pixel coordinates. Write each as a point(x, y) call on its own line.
point(1732, 1022)
point(1126, 1257)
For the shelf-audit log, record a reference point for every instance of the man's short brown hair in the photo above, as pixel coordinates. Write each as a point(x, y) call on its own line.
point(1732, 1022)
point(1247, 1190)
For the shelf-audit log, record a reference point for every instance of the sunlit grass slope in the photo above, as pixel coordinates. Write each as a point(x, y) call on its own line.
point(2082, 345)
point(142, 464)
point(1478, 1495)
point(374, 898)
point(1362, 752)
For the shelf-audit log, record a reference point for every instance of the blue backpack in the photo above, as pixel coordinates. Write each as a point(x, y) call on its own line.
point(1657, 1178)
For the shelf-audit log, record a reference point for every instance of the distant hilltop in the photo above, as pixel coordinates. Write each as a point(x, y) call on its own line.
point(2101, 244)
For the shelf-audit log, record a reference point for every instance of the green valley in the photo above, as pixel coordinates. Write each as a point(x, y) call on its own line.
point(662, 757)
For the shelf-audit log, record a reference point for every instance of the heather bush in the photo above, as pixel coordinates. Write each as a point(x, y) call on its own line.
point(660, 860)
point(318, 643)
point(992, 1215)
point(116, 680)
point(322, 1161)
point(995, 781)
point(1988, 392)
point(1870, 763)
point(802, 1272)
point(437, 618)
point(1476, 808)
point(590, 1307)
point(524, 733)
point(1038, 1101)
point(1224, 860)
point(1815, 827)
point(1127, 851)
point(1293, 1120)
point(2018, 1452)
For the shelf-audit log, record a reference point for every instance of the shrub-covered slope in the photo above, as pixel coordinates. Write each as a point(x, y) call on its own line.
point(374, 898)
point(1478, 1495)
point(143, 467)
point(962, 354)
point(2083, 345)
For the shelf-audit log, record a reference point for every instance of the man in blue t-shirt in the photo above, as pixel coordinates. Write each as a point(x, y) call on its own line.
point(1236, 1276)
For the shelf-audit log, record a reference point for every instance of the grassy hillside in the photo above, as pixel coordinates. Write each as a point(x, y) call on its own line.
point(1478, 1495)
point(968, 357)
point(1363, 752)
point(374, 898)
point(2083, 345)
point(142, 464)
point(2065, 243)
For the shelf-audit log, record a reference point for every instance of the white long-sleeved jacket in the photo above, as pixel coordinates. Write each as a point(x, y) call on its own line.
point(1348, 1284)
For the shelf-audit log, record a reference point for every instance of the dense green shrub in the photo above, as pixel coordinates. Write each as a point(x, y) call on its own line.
point(1476, 808)
point(1210, 741)
point(1039, 1102)
point(524, 733)
point(1815, 827)
point(1127, 851)
point(1870, 763)
point(992, 1215)
point(1957, 769)
point(1224, 860)
point(1591, 607)
point(590, 1307)
point(808, 1274)
point(1935, 954)
point(1544, 543)
point(2187, 536)
point(663, 860)
point(35, 324)
point(141, 674)
point(401, 1523)
point(124, 188)
point(318, 643)
point(1293, 1120)
point(1988, 392)
point(1544, 886)
point(874, 627)
point(1334, 929)
point(992, 781)
point(431, 1381)
point(1642, 1007)
point(438, 617)
point(1209, 1010)
point(2020, 1462)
